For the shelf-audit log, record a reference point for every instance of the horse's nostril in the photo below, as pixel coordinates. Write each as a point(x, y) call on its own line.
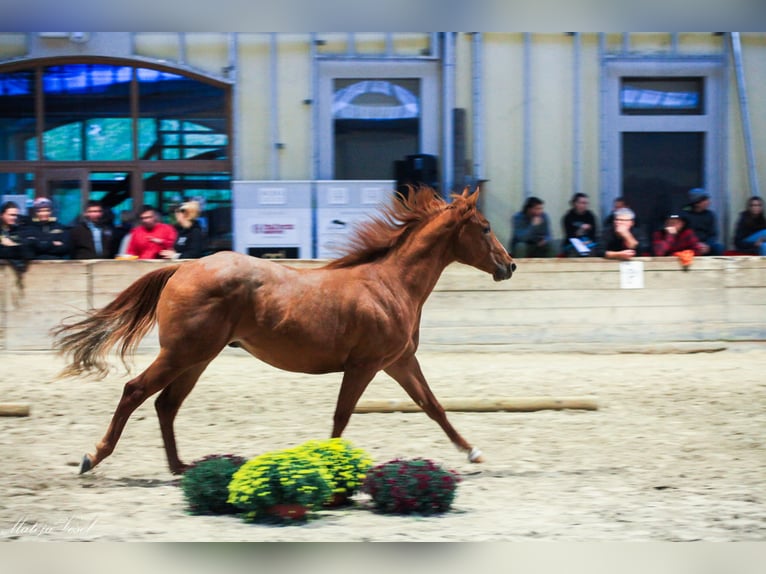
point(513, 267)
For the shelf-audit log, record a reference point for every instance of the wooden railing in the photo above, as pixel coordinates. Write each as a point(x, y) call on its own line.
point(572, 302)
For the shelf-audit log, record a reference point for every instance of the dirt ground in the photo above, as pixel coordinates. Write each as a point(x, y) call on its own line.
point(675, 452)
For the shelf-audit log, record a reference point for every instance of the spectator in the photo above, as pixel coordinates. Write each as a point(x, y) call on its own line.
point(702, 221)
point(636, 230)
point(92, 237)
point(47, 237)
point(190, 241)
point(13, 247)
point(579, 226)
point(618, 241)
point(675, 237)
point(152, 236)
point(750, 232)
point(531, 230)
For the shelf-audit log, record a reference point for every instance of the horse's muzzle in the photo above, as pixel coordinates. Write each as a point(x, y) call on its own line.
point(503, 272)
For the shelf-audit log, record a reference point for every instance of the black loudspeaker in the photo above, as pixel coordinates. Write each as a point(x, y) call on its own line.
point(416, 170)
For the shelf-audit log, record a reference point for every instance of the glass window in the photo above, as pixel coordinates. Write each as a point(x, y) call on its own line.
point(662, 96)
point(17, 116)
point(18, 187)
point(87, 112)
point(188, 117)
point(376, 124)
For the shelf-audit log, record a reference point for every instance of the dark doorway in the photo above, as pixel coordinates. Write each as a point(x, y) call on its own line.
point(658, 170)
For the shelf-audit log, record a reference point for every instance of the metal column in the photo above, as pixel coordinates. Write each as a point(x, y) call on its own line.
point(744, 110)
point(527, 81)
point(478, 109)
point(274, 105)
point(576, 115)
point(448, 104)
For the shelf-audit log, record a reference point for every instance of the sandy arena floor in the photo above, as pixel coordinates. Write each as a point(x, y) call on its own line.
point(675, 453)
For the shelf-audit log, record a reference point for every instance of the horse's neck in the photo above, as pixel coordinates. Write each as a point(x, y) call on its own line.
point(419, 262)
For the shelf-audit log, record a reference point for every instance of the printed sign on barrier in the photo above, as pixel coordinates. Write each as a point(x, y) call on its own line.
point(273, 219)
point(341, 206)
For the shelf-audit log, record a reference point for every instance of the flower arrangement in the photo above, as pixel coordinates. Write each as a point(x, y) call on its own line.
point(205, 483)
point(292, 476)
point(346, 465)
point(415, 486)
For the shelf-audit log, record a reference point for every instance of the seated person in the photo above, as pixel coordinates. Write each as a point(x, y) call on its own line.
point(47, 237)
point(152, 236)
point(675, 237)
point(580, 229)
point(619, 242)
point(531, 230)
point(750, 232)
point(702, 221)
point(13, 247)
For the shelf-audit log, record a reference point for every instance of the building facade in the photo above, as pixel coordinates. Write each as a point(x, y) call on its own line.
point(133, 118)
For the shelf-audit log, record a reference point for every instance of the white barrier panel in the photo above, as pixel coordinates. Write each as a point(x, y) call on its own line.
point(341, 205)
point(273, 219)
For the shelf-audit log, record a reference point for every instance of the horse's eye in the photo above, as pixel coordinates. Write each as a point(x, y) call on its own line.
point(486, 230)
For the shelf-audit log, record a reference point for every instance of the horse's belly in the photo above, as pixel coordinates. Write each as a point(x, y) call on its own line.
point(296, 359)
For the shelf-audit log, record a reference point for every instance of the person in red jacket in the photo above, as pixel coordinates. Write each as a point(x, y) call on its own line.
point(152, 236)
point(675, 237)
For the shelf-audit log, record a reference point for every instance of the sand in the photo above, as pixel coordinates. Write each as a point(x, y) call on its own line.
point(675, 452)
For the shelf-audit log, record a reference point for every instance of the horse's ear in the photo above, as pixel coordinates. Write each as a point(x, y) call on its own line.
point(473, 198)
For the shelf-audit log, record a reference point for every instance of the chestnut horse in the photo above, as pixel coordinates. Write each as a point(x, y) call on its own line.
point(358, 314)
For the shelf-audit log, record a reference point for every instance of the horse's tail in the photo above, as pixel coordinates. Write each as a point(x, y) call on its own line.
point(128, 318)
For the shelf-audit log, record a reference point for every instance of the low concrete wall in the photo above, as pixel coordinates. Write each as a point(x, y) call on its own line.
point(573, 302)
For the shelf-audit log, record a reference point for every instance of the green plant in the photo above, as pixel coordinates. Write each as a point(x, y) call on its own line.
point(347, 465)
point(414, 486)
point(291, 476)
point(205, 483)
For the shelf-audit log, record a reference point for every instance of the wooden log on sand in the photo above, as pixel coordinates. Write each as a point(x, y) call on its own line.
point(517, 404)
point(13, 410)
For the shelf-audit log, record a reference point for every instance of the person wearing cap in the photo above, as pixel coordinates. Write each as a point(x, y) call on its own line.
point(702, 221)
point(47, 237)
point(190, 241)
point(675, 237)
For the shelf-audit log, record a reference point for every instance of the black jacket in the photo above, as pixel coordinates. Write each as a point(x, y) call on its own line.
point(190, 243)
point(42, 235)
point(83, 246)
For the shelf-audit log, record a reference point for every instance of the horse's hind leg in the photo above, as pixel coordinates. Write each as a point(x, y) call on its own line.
point(167, 404)
point(157, 376)
point(406, 371)
point(355, 380)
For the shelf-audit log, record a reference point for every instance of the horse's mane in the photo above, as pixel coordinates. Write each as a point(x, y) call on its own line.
point(375, 237)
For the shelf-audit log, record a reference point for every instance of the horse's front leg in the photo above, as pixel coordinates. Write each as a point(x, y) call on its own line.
point(406, 371)
point(355, 381)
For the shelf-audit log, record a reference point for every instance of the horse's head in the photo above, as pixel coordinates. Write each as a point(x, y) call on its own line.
point(476, 244)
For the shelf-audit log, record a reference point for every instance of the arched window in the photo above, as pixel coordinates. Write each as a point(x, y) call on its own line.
point(119, 131)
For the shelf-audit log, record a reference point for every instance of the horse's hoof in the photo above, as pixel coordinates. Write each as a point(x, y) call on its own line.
point(475, 455)
point(86, 464)
point(179, 469)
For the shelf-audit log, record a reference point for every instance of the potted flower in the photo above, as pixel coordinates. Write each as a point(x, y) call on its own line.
point(414, 486)
point(347, 466)
point(205, 483)
point(281, 485)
